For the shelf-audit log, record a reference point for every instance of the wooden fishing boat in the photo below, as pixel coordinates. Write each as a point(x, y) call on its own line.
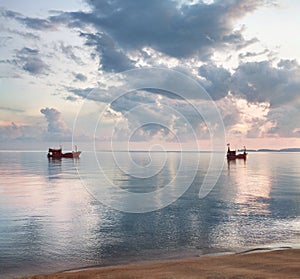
point(232, 155)
point(57, 153)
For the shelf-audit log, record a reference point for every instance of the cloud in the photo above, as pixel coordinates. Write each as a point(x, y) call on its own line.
point(150, 114)
point(19, 132)
point(79, 77)
point(260, 84)
point(56, 131)
point(11, 109)
point(28, 59)
point(285, 121)
point(69, 19)
point(68, 51)
point(134, 108)
point(178, 31)
point(30, 22)
point(84, 93)
point(111, 58)
point(288, 64)
point(217, 82)
point(71, 98)
point(125, 34)
point(55, 122)
point(256, 82)
point(263, 82)
point(5, 40)
point(250, 54)
point(125, 27)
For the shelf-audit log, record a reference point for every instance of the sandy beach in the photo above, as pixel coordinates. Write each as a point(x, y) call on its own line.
point(270, 264)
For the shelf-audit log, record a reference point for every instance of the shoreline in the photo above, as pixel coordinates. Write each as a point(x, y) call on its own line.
point(282, 262)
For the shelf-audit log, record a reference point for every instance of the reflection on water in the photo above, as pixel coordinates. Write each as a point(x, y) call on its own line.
point(54, 168)
point(49, 221)
point(120, 183)
point(252, 186)
point(258, 206)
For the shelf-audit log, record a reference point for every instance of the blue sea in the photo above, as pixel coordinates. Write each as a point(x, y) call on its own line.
point(68, 214)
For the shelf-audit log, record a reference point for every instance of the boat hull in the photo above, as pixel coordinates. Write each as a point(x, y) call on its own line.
point(71, 154)
point(57, 154)
point(238, 156)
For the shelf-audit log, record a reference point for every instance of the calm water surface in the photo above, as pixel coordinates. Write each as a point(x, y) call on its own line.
point(50, 219)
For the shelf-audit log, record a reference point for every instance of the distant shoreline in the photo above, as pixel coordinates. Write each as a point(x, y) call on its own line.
point(273, 150)
point(284, 150)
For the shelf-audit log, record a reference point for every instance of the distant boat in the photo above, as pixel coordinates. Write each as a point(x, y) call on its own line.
point(231, 154)
point(57, 153)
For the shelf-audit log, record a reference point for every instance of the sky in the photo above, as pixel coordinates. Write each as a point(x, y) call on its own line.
point(98, 72)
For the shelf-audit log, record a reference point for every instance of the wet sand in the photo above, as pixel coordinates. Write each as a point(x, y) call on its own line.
point(258, 264)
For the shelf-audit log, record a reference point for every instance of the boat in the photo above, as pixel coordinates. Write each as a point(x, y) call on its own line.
point(57, 153)
point(232, 155)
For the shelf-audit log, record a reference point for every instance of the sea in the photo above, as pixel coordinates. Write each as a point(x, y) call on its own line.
point(110, 208)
